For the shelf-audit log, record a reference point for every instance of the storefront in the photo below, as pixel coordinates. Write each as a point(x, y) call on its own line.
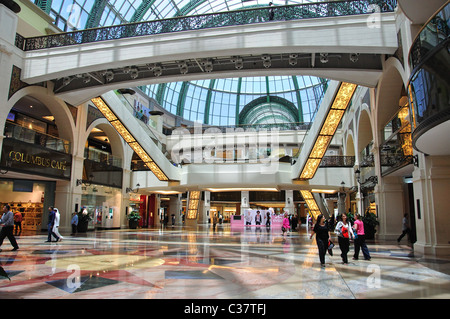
point(29, 197)
point(31, 164)
point(102, 204)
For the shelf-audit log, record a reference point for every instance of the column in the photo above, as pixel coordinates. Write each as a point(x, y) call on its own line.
point(205, 212)
point(391, 207)
point(289, 202)
point(431, 184)
point(245, 201)
point(8, 27)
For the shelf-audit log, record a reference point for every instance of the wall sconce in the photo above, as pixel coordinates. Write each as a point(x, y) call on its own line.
point(130, 190)
point(358, 175)
point(8, 164)
point(416, 160)
point(86, 183)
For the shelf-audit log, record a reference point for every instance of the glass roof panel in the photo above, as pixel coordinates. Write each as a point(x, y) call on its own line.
point(227, 97)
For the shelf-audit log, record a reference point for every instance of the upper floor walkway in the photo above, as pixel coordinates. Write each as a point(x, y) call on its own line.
point(344, 40)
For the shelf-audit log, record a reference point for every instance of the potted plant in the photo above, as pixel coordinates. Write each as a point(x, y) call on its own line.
point(370, 223)
point(133, 219)
point(83, 220)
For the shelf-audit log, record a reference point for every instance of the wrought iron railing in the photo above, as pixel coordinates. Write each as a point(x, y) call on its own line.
point(300, 126)
point(212, 20)
point(338, 161)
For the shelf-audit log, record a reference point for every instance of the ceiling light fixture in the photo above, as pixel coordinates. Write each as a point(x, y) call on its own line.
point(238, 62)
point(266, 60)
point(157, 71)
point(109, 75)
point(183, 67)
point(134, 72)
point(293, 59)
point(354, 57)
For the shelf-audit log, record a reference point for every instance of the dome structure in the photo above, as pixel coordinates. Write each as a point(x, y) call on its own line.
point(232, 101)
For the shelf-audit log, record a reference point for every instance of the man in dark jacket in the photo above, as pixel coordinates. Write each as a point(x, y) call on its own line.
point(7, 221)
point(51, 222)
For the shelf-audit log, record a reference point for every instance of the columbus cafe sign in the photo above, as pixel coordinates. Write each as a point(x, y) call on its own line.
point(28, 158)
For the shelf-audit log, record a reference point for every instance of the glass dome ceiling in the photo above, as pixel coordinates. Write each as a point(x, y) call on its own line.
point(274, 99)
point(257, 100)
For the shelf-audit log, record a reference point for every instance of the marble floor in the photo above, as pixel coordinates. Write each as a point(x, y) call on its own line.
point(180, 263)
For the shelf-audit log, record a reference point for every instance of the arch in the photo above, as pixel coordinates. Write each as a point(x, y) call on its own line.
point(63, 118)
point(391, 84)
point(364, 129)
point(257, 110)
point(116, 141)
point(349, 146)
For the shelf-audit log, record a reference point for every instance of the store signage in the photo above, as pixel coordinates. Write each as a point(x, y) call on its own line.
point(28, 158)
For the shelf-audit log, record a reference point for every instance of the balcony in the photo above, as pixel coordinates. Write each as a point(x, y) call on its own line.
point(429, 86)
point(30, 136)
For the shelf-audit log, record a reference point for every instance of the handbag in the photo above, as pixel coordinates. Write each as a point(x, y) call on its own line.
point(330, 244)
point(330, 247)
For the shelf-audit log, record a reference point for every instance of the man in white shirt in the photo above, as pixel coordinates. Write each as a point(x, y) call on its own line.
point(7, 221)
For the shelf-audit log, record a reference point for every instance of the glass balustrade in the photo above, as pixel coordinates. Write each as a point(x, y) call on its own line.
point(27, 135)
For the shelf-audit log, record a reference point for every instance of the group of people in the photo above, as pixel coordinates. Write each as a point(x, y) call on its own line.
point(345, 232)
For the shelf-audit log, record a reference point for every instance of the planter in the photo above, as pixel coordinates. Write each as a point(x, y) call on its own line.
point(133, 224)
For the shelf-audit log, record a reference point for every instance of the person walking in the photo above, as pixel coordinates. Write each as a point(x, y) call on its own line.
point(268, 219)
point(405, 228)
point(18, 223)
point(360, 239)
point(345, 233)
point(322, 235)
point(285, 226)
point(7, 221)
point(50, 224)
point(74, 223)
point(271, 11)
point(56, 224)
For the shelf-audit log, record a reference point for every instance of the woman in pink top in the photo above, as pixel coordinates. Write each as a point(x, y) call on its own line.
point(360, 240)
point(285, 226)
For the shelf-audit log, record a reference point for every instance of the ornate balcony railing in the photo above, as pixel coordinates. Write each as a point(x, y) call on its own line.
point(337, 161)
point(212, 20)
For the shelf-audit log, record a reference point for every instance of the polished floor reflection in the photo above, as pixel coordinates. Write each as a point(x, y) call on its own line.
point(225, 263)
